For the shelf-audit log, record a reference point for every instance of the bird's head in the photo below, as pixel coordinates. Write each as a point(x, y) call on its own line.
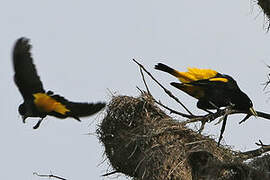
point(243, 102)
point(23, 112)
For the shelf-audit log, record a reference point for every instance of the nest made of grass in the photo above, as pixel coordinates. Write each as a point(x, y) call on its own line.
point(143, 142)
point(265, 5)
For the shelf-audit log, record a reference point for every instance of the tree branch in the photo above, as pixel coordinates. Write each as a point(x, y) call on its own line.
point(110, 173)
point(174, 111)
point(148, 91)
point(166, 90)
point(48, 176)
point(257, 152)
point(202, 118)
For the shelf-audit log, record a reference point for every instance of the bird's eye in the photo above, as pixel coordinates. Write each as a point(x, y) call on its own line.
point(22, 109)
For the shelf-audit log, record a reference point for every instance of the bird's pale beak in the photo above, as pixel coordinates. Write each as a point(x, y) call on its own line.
point(24, 118)
point(253, 112)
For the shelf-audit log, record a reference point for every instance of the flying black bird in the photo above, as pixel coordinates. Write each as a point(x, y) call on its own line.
point(212, 89)
point(37, 102)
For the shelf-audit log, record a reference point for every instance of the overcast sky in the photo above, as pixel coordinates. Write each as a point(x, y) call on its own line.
point(83, 51)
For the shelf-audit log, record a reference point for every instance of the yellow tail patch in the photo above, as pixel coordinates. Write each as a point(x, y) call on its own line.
point(195, 74)
point(46, 103)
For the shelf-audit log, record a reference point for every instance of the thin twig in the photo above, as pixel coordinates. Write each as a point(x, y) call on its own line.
point(257, 152)
point(193, 118)
point(172, 170)
point(174, 111)
point(196, 142)
point(221, 112)
point(268, 79)
point(158, 102)
point(144, 82)
point(111, 173)
point(166, 90)
point(266, 83)
point(138, 165)
point(48, 176)
point(210, 117)
point(140, 90)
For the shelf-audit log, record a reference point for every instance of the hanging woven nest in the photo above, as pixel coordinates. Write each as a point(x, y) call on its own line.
point(143, 142)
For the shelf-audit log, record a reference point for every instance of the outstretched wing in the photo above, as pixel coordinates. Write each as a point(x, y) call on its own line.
point(75, 109)
point(26, 77)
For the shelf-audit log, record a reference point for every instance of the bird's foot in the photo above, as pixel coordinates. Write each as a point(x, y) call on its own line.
point(38, 123)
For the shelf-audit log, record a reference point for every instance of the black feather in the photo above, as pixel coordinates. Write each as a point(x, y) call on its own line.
point(165, 68)
point(26, 77)
point(79, 109)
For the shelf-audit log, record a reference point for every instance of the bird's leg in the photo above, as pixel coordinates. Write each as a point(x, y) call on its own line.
point(222, 128)
point(38, 123)
point(227, 112)
point(205, 120)
point(209, 112)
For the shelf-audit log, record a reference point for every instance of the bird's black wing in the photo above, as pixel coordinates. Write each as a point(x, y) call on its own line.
point(76, 109)
point(210, 83)
point(26, 77)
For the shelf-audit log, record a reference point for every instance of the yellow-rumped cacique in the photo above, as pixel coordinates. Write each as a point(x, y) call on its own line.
point(38, 102)
point(212, 89)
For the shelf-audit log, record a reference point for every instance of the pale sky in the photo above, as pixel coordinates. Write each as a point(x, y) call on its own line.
point(83, 50)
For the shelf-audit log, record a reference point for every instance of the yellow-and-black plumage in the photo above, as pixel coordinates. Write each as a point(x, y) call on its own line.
point(212, 89)
point(38, 102)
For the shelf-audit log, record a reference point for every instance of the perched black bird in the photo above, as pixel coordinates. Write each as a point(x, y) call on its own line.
point(212, 89)
point(37, 102)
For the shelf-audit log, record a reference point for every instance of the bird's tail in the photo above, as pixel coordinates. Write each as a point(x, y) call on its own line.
point(165, 68)
point(184, 77)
